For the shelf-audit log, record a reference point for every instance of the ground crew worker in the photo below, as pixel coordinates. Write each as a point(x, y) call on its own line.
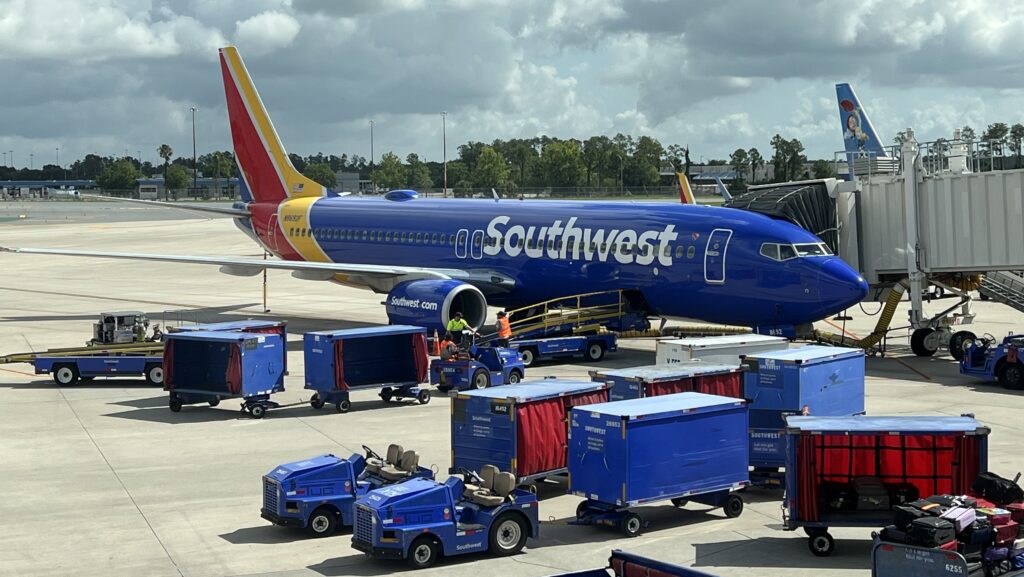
point(504, 330)
point(458, 326)
point(448, 347)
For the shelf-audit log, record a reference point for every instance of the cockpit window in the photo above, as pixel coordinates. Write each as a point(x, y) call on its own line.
point(809, 249)
point(782, 252)
point(770, 250)
point(786, 252)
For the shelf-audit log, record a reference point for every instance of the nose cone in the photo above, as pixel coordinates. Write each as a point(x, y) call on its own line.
point(840, 285)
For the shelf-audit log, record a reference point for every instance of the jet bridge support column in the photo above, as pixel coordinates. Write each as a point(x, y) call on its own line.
point(910, 178)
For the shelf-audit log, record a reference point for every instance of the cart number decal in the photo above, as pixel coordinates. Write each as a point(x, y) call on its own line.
point(499, 408)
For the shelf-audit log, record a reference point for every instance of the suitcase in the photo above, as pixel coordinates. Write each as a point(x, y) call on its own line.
point(903, 516)
point(997, 489)
point(953, 500)
point(1017, 561)
point(949, 546)
point(892, 534)
point(1016, 511)
point(1007, 534)
point(902, 493)
point(980, 533)
point(838, 496)
point(980, 503)
point(926, 506)
point(931, 532)
point(996, 516)
point(962, 518)
point(871, 494)
point(972, 553)
point(994, 554)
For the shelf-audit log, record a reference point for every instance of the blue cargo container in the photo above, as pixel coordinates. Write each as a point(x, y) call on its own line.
point(828, 381)
point(390, 358)
point(655, 380)
point(206, 367)
point(929, 455)
point(687, 446)
point(521, 429)
point(246, 326)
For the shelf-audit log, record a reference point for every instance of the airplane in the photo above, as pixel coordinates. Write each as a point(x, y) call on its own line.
point(433, 257)
point(864, 151)
point(686, 195)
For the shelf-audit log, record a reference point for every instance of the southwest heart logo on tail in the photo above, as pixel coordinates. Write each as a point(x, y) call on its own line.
point(262, 160)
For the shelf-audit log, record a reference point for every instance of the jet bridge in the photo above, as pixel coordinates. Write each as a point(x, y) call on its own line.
point(921, 219)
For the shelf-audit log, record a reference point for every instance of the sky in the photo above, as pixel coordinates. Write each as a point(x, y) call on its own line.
point(110, 76)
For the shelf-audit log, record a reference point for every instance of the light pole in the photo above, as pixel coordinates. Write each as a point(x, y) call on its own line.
point(5, 158)
point(372, 183)
point(444, 149)
point(195, 165)
point(58, 161)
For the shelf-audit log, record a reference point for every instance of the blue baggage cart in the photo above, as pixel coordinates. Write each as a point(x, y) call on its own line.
point(255, 326)
point(206, 367)
point(623, 564)
point(67, 370)
point(655, 380)
point(821, 381)
point(637, 451)
point(590, 347)
point(520, 429)
point(910, 456)
point(390, 358)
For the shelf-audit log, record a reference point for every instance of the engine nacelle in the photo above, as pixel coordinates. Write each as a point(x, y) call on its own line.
point(432, 303)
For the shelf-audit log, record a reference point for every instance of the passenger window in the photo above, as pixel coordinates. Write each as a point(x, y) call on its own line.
point(387, 236)
point(770, 250)
point(690, 252)
point(522, 243)
point(419, 237)
point(373, 235)
point(405, 236)
point(604, 246)
point(365, 235)
point(647, 250)
point(626, 249)
point(477, 240)
point(668, 250)
point(786, 252)
point(443, 239)
point(615, 248)
point(433, 238)
point(679, 251)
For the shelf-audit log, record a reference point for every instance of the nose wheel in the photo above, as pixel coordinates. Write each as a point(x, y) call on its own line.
point(925, 342)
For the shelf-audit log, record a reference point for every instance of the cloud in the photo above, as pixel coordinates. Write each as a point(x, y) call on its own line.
point(266, 32)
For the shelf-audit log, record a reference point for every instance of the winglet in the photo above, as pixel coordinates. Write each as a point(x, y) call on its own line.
point(685, 192)
point(262, 160)
point(723, 189)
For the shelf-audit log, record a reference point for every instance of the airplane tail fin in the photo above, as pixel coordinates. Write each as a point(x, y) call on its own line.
point(859, 136)
point(685, 192)
point(266, 171)
point(723, 189)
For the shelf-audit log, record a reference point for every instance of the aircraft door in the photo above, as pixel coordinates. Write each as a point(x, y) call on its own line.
point(714, 256)
point(477, 249)
point(461, 240)
point(272, 233)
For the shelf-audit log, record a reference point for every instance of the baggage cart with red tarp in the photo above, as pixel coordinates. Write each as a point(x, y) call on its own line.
point(933, 455)
point(623, 564)
point(521, 429)
point(253, 326)
point(208, 366)
point(390, 358)
point(687, 377)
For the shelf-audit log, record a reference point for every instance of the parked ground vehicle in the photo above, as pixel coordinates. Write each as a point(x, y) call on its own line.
point(522, 429)
point(119, 328)
point(390, 358)
point(422, 520)
point(68, 370)
point(319, 494)
point(655, 380)
point(207, 367)
point(626, 453)
point(477, 368)
point(984, 359)
point(623, 564)
point(909, 455)
point(590, 347)
point(724, 349)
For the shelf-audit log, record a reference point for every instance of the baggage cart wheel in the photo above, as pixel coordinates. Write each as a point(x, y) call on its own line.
point(322, 522)
point(1012, 376)
point(733, 506)
point(316, 402)
point(631, 524)
point(529, 356)
point(581, 510)
point(423, 397)
point(481, 380)
point(508, 535)
point(65, 374)
point(174, 404)
point(257, 411)
point(386, 394)
point(343, 406)
point(959, 342)
point(679, 502)
point(595, 352)
point(423, 552)
point(821, 544)
point(154, 374)
point(514, 377)
point(214, 401)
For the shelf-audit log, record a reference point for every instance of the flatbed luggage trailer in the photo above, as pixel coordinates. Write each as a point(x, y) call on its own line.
point(627, 453)
point(623, 564)
point(390, 358)
point(207, 367)
point(591, 348)
point(520, 429)
point(937, 455)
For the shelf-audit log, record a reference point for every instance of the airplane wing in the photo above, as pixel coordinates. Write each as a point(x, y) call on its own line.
point(378, 277)
point(179, 205)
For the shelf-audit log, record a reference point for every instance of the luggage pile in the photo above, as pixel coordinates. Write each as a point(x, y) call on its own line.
point(866, 494)
point(983, 527)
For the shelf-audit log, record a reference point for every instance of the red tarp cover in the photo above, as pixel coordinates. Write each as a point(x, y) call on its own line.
point(724, 384)
point(233, 376)
point(339, 367)
point(584, 399)
point(540, 437)
point(168, 364)
point(669, 387)
point(626, 569)
point(935, 464)
point(419, 352)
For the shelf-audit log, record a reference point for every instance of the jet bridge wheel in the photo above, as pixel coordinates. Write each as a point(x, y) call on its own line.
point(923, 342)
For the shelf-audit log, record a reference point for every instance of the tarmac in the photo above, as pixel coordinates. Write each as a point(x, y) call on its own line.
point(102, 479)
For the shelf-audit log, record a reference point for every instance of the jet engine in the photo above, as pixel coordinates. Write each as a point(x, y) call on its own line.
point(432, 303)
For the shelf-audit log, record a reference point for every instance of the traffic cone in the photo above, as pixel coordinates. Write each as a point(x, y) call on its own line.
point(437, 345)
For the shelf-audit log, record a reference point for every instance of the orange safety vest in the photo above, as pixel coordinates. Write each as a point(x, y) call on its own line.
point(504, 330)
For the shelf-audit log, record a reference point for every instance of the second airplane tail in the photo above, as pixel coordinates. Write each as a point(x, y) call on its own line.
point(265, 169)
point(859, 135)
